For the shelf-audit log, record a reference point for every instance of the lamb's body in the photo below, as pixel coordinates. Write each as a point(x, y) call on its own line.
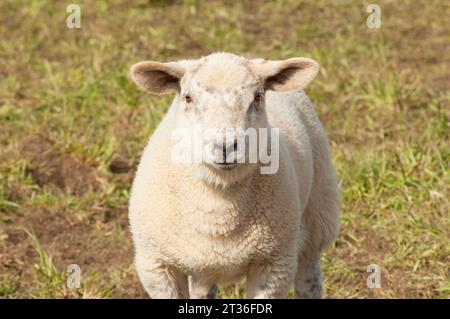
point(270, 228)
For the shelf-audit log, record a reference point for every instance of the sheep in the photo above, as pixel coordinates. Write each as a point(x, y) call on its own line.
point(197, 224)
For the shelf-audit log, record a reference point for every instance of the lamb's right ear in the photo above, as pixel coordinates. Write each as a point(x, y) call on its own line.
point(157, 77)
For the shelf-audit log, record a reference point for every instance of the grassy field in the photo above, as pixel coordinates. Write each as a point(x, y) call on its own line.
point(73, 126)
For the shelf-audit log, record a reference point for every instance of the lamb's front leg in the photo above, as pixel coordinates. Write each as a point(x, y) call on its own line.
point(271, 281)
point(162, 281)
point(202, 287)
point(308, 281)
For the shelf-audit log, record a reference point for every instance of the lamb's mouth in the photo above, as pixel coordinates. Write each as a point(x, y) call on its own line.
point(225, 166)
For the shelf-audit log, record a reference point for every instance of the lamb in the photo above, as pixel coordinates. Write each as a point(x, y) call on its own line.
point(199, 223)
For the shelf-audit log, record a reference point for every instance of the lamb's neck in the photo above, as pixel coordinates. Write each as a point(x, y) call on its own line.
point(216, 211)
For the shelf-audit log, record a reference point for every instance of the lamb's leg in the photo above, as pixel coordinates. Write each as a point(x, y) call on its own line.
point(271, 281)
point(320, 227)
point(202, 288)
point(162, 281)
point(308, 281)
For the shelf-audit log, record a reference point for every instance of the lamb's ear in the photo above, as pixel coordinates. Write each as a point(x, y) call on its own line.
point(158, 77)
point(287, 75)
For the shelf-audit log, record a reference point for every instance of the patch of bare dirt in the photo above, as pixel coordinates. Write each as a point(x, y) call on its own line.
point(67, 238)
point(49, 165)
point(96, 239)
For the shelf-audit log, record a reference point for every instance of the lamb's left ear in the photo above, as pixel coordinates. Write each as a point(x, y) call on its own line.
point(157, 77)
point(287, 75)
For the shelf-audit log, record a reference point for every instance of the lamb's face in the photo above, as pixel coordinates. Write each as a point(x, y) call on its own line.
point(221, 101)
point(221, 105)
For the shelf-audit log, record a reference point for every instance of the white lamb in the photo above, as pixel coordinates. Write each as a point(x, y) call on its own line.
point(197, 224)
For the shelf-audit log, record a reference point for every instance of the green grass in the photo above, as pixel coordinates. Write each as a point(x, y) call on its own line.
point(46, 274)
point(382, 95)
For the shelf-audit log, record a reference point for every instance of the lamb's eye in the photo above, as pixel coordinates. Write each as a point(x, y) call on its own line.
point(256, 101)
point(188, 98)
point(258, 98)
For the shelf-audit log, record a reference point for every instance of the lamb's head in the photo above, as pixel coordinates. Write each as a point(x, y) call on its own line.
point(221, 98)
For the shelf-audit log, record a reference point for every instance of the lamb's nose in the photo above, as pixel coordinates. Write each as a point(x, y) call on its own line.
point(227, 149)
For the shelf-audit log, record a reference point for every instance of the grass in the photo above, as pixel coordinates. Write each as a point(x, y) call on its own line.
point(68, 109)
point(49, 279)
